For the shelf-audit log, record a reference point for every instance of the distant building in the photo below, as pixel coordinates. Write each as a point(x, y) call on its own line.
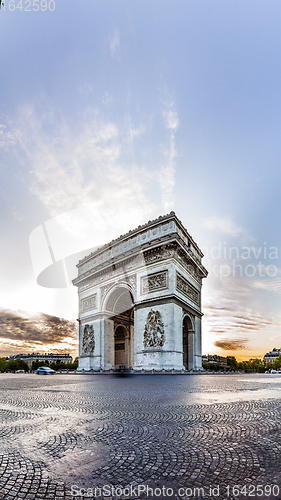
point(270, 357)
point(214, 359)
point(51, 358)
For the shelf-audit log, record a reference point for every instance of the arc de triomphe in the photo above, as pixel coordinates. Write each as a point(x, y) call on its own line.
point(140, 300)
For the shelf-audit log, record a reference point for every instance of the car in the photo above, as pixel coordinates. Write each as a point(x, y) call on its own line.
point(45, 370)
point(20, 371)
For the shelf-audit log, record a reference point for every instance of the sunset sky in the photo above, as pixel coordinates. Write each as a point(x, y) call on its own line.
point(114, 112)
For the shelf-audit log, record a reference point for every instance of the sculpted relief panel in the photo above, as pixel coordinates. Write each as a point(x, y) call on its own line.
point(154, 330)
point(154, 282)
point(89, 303)
point(88, 345)
point(187, 289)
point(189, 267)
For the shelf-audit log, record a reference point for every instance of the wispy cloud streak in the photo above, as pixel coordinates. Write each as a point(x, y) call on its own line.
point(114, 42)
point(223, 225)
point(82, 168)
point(167, 173)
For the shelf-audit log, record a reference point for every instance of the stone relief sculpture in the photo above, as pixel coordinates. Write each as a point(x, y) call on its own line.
point(154, 330)
point(187, 289)
point(88, 345)
point(89, 303)
point(153, 282)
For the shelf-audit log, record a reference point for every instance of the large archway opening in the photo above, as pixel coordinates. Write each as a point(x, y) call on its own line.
point(186, 328)
point(121, 305)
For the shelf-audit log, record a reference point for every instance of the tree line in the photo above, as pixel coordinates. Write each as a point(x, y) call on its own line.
point(253, 365)
point(19, 364)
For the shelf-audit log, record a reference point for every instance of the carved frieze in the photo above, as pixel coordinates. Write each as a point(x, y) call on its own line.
point(154, 330)
point(130, 243)
point(160, 253)
point(89, 303)
point(146, 258)
point(88, 343)
point(154, 282)
point(189, 266)
point(135, 262)
point(187, 289)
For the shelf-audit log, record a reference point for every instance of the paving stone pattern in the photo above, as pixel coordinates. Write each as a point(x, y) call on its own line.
point(171, 430)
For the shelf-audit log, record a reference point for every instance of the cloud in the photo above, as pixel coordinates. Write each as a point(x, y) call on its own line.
point(227, 320)
point(225, 226)
point(269, 285)
point(86, 167)
point(233, 311)
point(8, 137)
point(134, 132)
point(107, 99)
point(114, 42)
point(82, 168)
point(232, 318)
point(171, 117)
point(25, 332)
point(167, 173)
point(231, 344)
point(81, 176)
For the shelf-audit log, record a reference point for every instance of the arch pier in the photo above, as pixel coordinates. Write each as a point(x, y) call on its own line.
point(140, 300)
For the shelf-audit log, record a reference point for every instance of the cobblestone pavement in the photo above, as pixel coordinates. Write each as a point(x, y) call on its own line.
point(64, 435)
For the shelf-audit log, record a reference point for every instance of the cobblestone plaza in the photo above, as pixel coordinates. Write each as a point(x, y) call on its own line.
point(147, 436)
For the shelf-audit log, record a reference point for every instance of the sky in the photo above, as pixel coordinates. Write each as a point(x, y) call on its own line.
point(114, 112)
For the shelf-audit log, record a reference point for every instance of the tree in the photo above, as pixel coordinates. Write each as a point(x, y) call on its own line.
point(3, 365)
point(231, 362)
point(277, 363)
point(36, 364)
point(17, 364)
point(212, 366)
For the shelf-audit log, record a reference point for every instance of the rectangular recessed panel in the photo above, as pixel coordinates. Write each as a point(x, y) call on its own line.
point(154, 282)
point(187, 289)
point(89, 303)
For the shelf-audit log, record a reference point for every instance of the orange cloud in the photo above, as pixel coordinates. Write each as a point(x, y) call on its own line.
point(231, 345)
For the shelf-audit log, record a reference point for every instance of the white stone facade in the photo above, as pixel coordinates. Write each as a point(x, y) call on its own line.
point(140, 300)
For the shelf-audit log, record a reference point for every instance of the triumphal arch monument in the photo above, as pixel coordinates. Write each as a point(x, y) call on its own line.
point(140, 301)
